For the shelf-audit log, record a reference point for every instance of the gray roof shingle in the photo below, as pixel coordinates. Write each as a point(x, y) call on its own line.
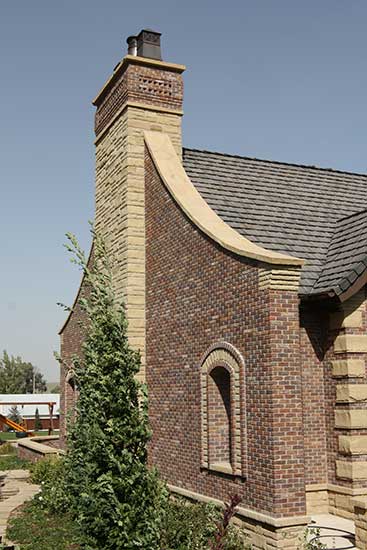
point(346, 258)
point(289, 208)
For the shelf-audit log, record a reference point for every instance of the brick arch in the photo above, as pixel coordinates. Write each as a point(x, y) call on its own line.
point(71, 391)
point(225, 356)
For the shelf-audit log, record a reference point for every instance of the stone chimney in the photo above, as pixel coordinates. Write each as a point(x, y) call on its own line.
point(143, 93)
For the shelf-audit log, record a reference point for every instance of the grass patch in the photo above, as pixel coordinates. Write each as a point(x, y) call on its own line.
point(36, 529)
point(7, 449)
point(13, 463)
point(8, 436)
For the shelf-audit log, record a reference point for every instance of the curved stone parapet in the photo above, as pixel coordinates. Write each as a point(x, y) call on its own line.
point(192, 203)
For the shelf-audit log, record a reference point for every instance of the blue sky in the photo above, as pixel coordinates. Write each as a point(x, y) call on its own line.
point(283, 80)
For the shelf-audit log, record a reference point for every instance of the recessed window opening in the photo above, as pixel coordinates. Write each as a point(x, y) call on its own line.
point(219, 408)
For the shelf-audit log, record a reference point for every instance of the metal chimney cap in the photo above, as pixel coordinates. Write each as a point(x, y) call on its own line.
point(149, 44)
point(132, 42)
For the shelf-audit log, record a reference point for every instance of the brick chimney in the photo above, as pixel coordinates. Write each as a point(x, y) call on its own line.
point(143, 93)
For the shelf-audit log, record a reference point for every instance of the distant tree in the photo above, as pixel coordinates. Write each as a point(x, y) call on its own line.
point(15, 415)
point(37, 421)
point(55, 389)
point(16, 376)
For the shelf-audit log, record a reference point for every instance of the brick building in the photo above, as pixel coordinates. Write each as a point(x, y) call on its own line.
point(244, 282)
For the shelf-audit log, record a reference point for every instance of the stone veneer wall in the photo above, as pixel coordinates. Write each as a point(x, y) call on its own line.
point(150, 98)
point(333, 350)
point(38, 448)
point(199, 294)
point(142, 95)
point(347, 400)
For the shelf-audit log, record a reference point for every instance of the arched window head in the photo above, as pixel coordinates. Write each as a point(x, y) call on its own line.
point(222, 435)
point(71, 392)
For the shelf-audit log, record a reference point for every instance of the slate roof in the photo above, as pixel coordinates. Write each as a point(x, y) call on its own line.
point(317, 214)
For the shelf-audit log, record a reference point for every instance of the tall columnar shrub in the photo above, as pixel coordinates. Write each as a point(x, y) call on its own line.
point(117, 500)
point(37, 421)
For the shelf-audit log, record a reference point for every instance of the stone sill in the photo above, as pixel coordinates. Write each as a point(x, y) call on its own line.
point(221, 467)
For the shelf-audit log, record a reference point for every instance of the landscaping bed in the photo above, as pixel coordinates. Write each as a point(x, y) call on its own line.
point(9, 460)
point(37, 529)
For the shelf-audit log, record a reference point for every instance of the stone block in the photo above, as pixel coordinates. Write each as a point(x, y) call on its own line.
point(351, 393)
point(351, 343)
point(348, 368)
point(351, 470)
point(340, 319)
point(351, 419)
point(353, 444)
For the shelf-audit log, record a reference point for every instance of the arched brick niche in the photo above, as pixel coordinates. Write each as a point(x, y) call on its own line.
point(71, 392)
point(222, 401)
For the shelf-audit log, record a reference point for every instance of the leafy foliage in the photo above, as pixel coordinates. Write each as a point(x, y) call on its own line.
point(220, 539)
point(311, 540)
point(113, 494)
point(15, 415)
point(190, 526)
point(16, 376)
point(50, 474)
point(187, 526)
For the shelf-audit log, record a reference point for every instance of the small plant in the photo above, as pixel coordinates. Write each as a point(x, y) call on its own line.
point(311, 540)
point(219, 542)
point(50, 474)
point(190, 526)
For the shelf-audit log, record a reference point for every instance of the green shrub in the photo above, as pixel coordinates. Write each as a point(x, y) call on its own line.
point(37, 421)
point(190, 526)
point(46, 469)
point(50, 474)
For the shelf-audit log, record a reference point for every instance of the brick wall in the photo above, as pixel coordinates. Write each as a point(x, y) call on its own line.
point(313, 333)
point(45, 422)
point(197, 294)
point(71, 340)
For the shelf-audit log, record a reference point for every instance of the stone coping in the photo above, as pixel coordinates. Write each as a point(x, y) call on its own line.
point(33, 443)
point(221, 467)
point(353, 492)
point(192, 203)
point(45, 438)
point(243, 512)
